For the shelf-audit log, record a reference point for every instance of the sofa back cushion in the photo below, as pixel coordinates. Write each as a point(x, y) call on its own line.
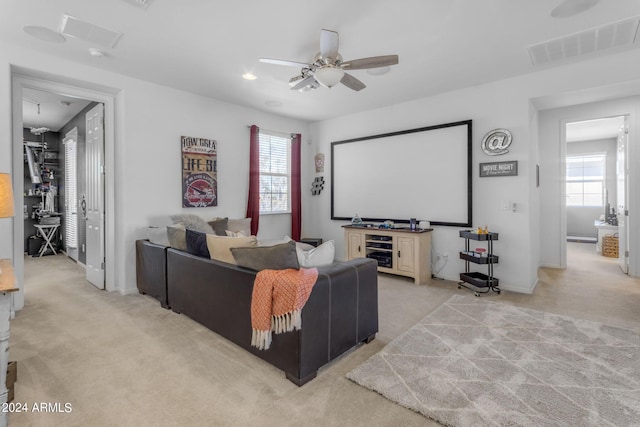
point(220, 246)
point(277, 257)
point(197, 243)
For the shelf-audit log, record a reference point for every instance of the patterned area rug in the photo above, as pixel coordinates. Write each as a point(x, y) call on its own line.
point(473, 362)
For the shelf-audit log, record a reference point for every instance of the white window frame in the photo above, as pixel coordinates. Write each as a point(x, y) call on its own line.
point(573, 180)
point(267, 138)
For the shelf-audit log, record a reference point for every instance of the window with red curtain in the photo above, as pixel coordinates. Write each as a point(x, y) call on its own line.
point(274, 177)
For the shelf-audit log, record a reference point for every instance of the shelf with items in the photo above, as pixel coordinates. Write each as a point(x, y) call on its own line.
point(473, 280)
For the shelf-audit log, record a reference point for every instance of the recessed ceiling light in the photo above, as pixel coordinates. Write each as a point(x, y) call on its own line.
point(44, 34)
point(249, 76)
point(96, 53)
point(273, 103)
point(378, 71)
point(570, 8)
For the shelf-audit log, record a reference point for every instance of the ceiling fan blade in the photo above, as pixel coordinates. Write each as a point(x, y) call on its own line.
point(372, 62)
point(283, 62)
point(329, 44)
point(304, 82)
point(352, 83)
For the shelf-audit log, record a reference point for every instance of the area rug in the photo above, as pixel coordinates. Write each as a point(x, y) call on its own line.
point(473, 362)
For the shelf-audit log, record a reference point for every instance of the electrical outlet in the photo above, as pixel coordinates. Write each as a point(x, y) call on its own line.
point(445, 255)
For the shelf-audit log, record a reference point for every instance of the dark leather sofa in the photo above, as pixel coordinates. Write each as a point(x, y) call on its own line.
point(341, 312)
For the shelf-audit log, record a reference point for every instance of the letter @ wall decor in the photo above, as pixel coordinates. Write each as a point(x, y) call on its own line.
point(199, 172)
point(496, 142)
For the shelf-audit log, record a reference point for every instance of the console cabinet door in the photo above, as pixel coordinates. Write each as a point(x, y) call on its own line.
point(405, 253)
point(355, 245)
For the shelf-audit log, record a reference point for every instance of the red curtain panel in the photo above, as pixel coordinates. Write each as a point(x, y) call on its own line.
point(296, 195)
point(253, 202)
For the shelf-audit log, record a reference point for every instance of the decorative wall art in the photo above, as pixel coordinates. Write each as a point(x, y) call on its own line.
point(317, 186)
point(496, 142)
point(499, 169)
point(318, 182)
point(199, 172)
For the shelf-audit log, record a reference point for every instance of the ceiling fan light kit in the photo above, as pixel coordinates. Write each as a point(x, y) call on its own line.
point(329, 76)
point(328, 68)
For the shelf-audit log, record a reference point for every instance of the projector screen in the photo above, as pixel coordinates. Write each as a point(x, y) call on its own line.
point(422, 173)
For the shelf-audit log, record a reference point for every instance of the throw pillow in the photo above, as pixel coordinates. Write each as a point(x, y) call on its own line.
point(278, 257)
point(220, 246)
point(197, 243)
point(317, 257)
point(235, 234)
point(219, 226)
point(241, 224)
point(192, 221)
point(177, 236)
point(158, 235)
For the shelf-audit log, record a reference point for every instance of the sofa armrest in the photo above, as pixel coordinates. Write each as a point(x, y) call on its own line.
point(151, 270)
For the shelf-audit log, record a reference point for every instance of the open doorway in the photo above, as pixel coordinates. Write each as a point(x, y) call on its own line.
point(596, 192)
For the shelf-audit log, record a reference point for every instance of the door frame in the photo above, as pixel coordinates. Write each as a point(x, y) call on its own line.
point(632, 223)
point(21, 78)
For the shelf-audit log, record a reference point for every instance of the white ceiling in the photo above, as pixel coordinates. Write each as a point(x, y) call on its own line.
point(204, 46)
point(50, 110)
point(590, 130)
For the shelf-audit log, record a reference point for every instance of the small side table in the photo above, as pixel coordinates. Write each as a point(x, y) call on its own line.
point(47, 231)
point(7, 285)
point(313, 241)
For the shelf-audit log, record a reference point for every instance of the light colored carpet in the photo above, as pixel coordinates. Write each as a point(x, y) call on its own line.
point(476, 362)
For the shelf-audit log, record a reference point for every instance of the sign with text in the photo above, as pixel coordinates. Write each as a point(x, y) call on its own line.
point(499, 169)
point(199, 172)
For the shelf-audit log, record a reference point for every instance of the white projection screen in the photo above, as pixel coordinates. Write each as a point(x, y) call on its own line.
point(422, 173)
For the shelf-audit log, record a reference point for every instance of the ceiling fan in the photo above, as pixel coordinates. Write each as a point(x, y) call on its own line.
point(328, 68)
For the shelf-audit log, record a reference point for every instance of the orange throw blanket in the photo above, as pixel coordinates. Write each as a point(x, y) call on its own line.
point(277, 301)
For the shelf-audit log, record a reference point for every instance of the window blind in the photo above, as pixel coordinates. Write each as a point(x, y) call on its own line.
point(275, 173)
point(71, 199)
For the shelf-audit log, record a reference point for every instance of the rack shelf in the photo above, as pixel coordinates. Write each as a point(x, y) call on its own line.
point(476, 281)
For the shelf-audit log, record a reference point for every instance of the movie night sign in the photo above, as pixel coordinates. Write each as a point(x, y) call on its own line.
point(499, 169)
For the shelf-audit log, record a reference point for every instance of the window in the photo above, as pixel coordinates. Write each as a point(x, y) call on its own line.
point(585, 180)
point(275, 173)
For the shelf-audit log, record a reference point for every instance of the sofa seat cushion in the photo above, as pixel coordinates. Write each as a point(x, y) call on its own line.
point(220, 246)
point(277, 257)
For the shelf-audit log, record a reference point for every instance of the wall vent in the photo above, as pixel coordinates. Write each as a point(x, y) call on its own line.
point(615, 35)
point(84, 30)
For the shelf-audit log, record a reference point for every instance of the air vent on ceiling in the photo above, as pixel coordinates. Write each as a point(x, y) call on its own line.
point(615, 35)
point(84, 30)
point(139, 3)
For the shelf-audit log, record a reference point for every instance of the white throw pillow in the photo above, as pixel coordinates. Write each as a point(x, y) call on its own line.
point(158, 235)
point(235, 234)
point(317, 257)
point(240, 224)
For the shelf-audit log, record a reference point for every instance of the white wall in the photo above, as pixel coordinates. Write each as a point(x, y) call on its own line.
point(149, 122)
point(553, 149)
point(151, 118)
point(503, 104)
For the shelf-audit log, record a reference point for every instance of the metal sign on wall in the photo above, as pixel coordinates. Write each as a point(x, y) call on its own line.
point(199, 172)
point(499, 169)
